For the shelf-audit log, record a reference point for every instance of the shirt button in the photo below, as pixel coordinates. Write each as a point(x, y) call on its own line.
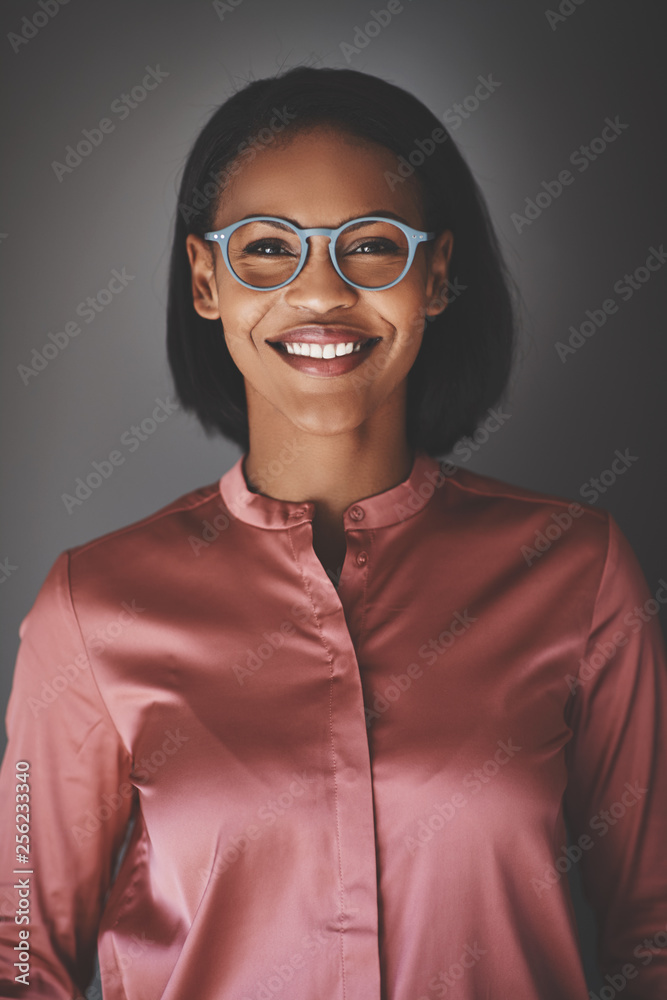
point(362, 559)
point(357, 513)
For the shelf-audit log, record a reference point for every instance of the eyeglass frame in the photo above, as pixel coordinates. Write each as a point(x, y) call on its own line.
point(415, 237)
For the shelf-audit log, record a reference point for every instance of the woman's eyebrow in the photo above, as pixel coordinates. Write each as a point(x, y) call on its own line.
point(382, 212)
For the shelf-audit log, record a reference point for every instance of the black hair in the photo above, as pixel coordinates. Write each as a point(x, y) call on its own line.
point(466, 356)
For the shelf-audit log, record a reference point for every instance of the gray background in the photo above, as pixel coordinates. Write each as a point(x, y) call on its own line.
point(61, 239)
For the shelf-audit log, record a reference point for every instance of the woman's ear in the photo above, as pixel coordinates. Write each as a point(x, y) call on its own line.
point(202, 266)
point(436, 288)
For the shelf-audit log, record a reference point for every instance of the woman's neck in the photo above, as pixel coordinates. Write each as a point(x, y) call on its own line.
point(332, 470)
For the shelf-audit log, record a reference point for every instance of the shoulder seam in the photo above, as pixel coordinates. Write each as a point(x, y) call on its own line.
point(545, 498)
point(603, 573)
point(148, 519)
point(85, 649)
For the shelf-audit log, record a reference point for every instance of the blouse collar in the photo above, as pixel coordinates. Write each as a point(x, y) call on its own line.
point(394, 505)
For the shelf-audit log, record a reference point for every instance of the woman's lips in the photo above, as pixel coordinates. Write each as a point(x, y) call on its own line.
point(340, 364)
point(328, 333)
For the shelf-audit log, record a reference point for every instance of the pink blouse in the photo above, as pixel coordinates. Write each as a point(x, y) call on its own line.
point(351, 793)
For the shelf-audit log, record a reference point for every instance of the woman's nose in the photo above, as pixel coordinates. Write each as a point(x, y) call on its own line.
point(318, 284)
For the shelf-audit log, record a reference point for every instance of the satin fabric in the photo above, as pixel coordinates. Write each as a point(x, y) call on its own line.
point(356, 793)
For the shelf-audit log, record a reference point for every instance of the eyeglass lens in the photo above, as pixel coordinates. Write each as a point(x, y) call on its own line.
point(264, 253)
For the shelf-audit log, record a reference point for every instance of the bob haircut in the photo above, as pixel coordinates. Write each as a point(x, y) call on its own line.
point(466, 356)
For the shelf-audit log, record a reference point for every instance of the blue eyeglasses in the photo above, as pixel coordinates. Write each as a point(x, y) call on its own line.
point(266, 252)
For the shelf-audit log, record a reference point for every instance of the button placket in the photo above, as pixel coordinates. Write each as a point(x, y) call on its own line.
point(351, 772)
point(354, 535)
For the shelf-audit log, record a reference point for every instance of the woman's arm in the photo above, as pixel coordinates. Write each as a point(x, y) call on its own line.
point(616, 798)
point(75, 807)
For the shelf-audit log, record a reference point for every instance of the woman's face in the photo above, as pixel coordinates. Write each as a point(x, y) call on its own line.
point(321, 178)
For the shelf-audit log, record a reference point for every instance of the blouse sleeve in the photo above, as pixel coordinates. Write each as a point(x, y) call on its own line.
point(63, 746)
point(616, 798)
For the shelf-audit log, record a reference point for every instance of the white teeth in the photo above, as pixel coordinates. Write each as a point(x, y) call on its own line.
point(321, 350)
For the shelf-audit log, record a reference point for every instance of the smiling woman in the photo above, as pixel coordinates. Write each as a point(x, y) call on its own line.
point(319, 246)
point(365, 285)
point(337, 749)
point(338, 121)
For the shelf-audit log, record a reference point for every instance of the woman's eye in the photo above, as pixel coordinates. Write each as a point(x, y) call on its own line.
point(266, 248)
point(376, 246)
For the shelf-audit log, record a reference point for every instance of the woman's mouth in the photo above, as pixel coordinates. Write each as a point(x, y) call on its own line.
point(325, 358)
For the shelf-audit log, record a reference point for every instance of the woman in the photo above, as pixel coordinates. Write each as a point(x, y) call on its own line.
point(344, 699)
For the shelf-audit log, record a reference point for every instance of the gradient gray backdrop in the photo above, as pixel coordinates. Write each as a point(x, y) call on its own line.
point(61, 239)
